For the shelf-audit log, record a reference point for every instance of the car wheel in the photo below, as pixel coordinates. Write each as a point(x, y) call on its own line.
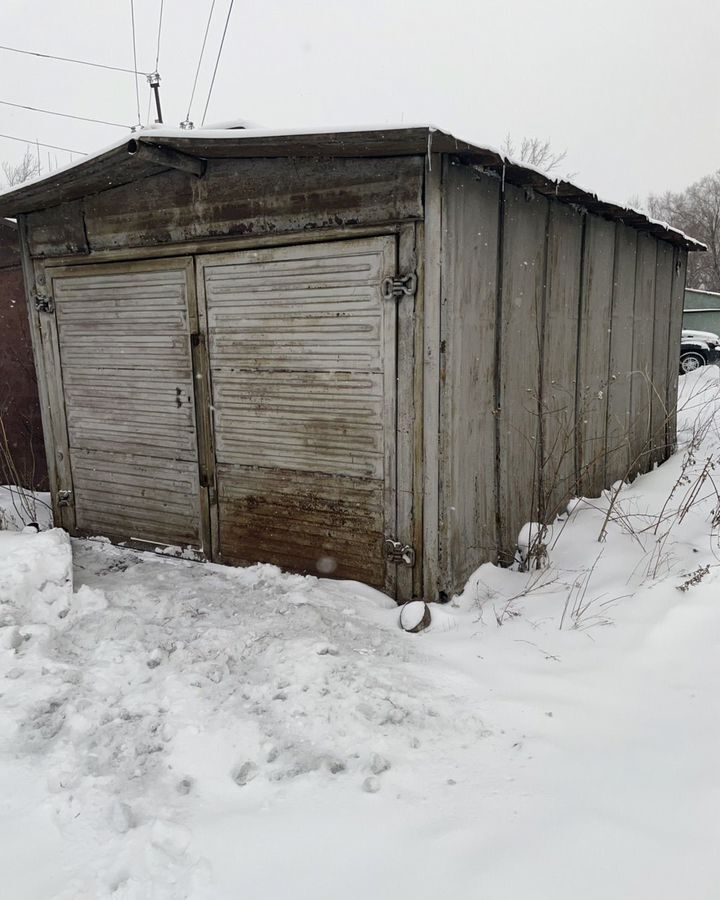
point(690, 361)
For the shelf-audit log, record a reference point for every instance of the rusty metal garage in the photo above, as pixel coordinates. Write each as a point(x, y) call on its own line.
point(367, 354)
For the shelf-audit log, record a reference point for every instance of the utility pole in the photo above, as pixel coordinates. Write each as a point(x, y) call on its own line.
point(154, 82)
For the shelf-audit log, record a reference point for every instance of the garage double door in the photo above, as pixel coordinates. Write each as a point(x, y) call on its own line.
point(241, 405)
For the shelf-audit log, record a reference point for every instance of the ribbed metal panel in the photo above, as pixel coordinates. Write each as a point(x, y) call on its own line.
point(301, 348)
point(128, 382)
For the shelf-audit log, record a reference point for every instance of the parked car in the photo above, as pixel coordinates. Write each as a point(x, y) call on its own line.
point(698, 348)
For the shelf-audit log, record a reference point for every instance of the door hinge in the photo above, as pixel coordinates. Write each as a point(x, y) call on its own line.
point(64, 498)
point(403, 286)
point(399, 553)
point(44, 304)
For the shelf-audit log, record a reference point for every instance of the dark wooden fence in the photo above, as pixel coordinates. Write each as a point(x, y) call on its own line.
point(22, 452)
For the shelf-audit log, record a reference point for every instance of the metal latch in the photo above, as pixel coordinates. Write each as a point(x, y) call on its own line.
point(64, 498)
point(44, 304)
point(395, 288)
point(399, 553)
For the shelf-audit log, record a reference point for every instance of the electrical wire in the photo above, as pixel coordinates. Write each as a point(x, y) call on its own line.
point(11, 137)
point(202, 51)
point(80, 62)
point(137, 86)
point(51, 112)
point(157, 59)
point(157, 55)
point(217, 60)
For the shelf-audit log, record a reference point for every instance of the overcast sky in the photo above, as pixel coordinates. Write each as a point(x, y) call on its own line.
point(628, 87)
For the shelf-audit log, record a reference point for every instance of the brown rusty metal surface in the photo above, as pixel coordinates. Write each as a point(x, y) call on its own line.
point(253, 197)
point(58, 231)
point(312, 523)
point(19, 405)
point(301, 348)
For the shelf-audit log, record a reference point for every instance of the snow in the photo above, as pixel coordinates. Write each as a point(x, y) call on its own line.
point(171, 730)
point(229, 124)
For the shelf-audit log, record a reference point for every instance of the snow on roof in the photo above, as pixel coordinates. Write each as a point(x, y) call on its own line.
point(110, 166)
point(229, 124)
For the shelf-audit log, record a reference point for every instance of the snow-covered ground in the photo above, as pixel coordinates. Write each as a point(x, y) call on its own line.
point(177, 730)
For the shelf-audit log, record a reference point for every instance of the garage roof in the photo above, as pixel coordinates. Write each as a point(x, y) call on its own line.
point(130, 159)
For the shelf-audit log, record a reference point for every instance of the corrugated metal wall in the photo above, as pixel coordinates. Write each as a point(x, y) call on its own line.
point(560, 333)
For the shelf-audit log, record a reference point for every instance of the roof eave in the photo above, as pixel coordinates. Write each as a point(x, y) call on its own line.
point(121, 164)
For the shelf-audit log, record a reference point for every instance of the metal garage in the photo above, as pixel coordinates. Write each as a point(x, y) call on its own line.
point(371, 355)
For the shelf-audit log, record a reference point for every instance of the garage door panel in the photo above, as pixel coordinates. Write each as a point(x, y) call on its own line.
point(120, 528)
point(342, 334)
point(105, 378)
point(250, 274)
point(135, 473)
point(124, 338)
point(301, 348)
point(327, 458)
point(136, 508)
point(303, 522)
point(172, 449)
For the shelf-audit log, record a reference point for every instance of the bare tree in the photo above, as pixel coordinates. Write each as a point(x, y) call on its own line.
point(696, 211)
point(535, 152)
point(27, 168)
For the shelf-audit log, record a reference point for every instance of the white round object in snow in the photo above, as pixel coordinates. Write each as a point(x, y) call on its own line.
point(415, 616)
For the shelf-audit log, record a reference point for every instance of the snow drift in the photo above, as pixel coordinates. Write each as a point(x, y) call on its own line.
point(174, 730)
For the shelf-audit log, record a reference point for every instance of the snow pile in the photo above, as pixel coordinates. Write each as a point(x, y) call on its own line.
point(35, 578)
point(175, 697)
point(192, 731)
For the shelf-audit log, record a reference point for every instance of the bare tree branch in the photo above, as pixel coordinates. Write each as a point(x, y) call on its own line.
point(27, 168)
point(535, 152)
point(696, 211)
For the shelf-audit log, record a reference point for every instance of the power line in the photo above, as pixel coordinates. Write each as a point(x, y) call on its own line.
point(157, 55)
point(137, 86)
point(80, 62)
point(51, 112)
point(217, 61)
point(157, 59)
point(11, 137)
point(202, 51)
